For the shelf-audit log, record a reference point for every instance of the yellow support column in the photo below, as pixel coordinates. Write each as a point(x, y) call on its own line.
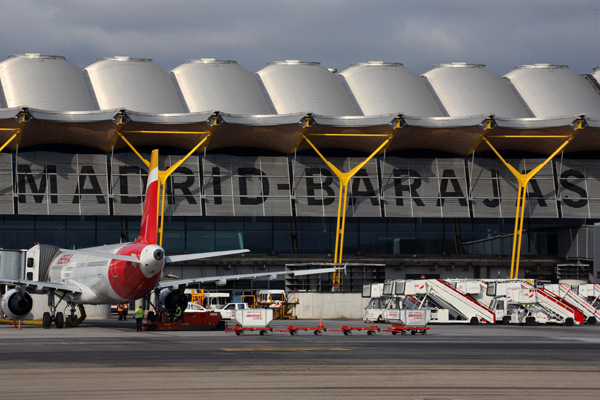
point(523, 180)
point(344, 178)
point(164, 175)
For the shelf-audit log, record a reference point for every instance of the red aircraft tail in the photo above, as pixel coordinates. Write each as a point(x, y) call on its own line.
point(149, 228)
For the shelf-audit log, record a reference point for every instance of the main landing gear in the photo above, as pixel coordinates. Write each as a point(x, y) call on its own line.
point(58, 317)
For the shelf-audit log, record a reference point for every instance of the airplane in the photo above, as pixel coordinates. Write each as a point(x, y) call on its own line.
point(117, 273)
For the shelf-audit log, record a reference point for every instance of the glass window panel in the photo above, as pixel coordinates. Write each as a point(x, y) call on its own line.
point(229, 241)
point(284, 223)
point(17, 239)
point(200, 242)
point(350, 242)
point(486, 225)
point(315, 243)
point(18, 222)
point(315, 224)
point(259, 242)
point(201, 223)
point(401, 224)
point(282, 243)
point(430, 243)
point(258, 223)
point(81, 239)
point(49, 222)
point(104, 222)
point(174, 242)
point(402, 243)
point(108, 237)
point(373, 242)
point(52, 237)
point(373, 225)
point(430, 225)
point(229, 223)
point(458, 224)
point(81, 222)
point(174, 223)
point(351, 224)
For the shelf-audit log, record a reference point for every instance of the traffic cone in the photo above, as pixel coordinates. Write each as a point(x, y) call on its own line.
point(19, 324)
point(14, 323)
point(321, 327)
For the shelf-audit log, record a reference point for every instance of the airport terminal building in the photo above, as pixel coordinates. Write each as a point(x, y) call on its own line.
point(431, 193)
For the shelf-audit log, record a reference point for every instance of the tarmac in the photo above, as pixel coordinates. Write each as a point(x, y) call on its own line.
point(109, 359)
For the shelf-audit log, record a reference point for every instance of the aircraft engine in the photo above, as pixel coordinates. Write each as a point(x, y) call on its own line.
point(16, 305)
point(170, 299)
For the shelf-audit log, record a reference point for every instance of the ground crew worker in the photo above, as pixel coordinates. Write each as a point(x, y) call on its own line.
point(124, 311)
point(139, 317)
point(178, 313)
point(120, 311)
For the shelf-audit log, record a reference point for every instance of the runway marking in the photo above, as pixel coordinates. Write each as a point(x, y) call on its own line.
point(148, 332)
point(296, 349)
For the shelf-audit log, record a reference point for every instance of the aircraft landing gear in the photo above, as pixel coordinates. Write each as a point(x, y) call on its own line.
point(57, 317)
point(72, 319)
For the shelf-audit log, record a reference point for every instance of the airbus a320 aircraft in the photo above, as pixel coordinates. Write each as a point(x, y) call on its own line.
point(115, 273)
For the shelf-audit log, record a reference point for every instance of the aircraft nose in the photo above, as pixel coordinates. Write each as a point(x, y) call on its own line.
point(159, 254)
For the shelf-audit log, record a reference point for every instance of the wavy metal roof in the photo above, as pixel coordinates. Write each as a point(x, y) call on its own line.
point(471, 89)
point(382, 88)
point(45, 82)
point(209, 84)
point(554, 90)
point(297, 86)
point(133, 83)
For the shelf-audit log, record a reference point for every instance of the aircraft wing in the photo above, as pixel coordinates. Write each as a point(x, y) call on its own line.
point(197, 256)
point(175, 284)
point(39, 286)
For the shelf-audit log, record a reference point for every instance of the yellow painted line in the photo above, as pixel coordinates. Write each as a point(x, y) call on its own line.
point(298, 349)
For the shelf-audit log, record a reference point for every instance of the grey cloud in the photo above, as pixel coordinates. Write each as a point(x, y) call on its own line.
point(335, 33)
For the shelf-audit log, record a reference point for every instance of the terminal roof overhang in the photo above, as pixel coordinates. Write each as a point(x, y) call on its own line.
point(281, 133)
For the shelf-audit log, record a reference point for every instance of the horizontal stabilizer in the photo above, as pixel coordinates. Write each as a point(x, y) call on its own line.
point(132, 259)
point(197, 256)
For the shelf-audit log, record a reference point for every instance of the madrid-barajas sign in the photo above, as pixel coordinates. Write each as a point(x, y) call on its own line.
point(221, 185)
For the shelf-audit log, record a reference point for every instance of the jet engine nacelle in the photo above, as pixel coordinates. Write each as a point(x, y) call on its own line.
point(168, 300)
point(16, 305)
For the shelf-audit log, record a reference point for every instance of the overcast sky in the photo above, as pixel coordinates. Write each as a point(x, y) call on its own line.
point(336, 33)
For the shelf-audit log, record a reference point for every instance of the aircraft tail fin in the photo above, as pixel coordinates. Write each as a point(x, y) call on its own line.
point(149, 228)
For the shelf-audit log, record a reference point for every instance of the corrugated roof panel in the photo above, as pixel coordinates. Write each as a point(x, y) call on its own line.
point(296, 86)
point(385, 88)
point(554, 90)
point(471, 89)
point(209, 84)
point(45, 82)
point(135, 84)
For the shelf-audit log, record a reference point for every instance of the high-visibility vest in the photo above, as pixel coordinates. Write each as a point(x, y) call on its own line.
point(178, 312)
point(139, 313)
point(120, 307)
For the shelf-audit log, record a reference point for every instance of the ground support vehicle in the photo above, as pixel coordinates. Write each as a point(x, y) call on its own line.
point(439, 294)
point(283, 304)
point(190, 320)
point(378, 303)
point(239, 330)
point(408, 317)
point(592, 315)
point(394, 329)
point(293, 330)
point(590, 292)
point(535, 306)
point(347, 330)
point(228, 310)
